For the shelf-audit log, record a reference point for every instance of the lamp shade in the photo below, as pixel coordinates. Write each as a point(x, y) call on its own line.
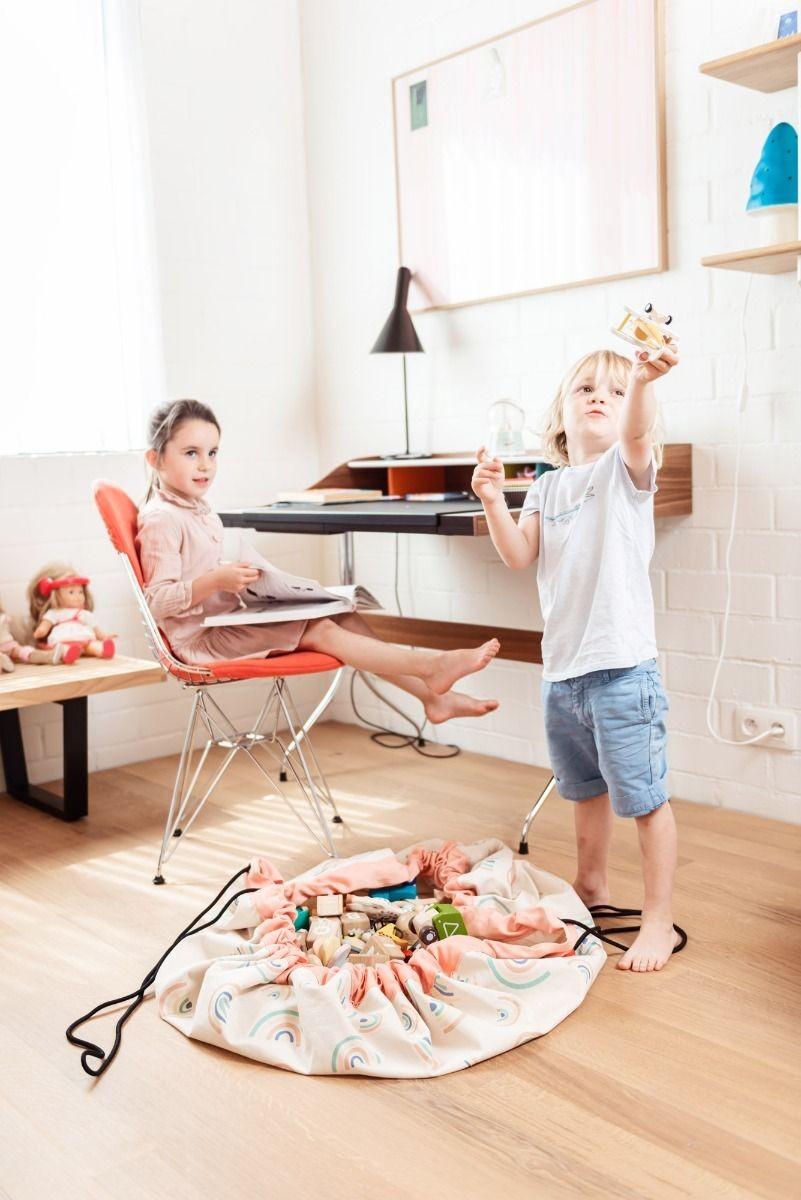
point(399, 335)
point(775, 179)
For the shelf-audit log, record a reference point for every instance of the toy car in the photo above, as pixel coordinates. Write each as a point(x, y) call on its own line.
point(647, 330)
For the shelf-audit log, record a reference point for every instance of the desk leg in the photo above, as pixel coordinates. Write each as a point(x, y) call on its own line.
point(75, 802)
point(346, 558)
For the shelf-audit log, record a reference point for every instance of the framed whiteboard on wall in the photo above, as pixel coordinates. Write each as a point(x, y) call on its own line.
point(536, 160)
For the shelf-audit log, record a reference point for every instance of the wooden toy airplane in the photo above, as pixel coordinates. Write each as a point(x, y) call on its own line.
point(647, 330)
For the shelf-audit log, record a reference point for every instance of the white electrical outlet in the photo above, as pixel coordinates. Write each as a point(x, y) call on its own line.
point(747, 722)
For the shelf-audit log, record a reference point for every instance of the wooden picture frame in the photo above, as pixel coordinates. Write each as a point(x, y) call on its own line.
point(535, 160)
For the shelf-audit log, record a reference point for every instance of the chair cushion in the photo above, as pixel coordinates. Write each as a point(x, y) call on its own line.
point(277, 666)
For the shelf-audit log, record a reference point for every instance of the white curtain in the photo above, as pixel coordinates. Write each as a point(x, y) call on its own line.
point(81, 358)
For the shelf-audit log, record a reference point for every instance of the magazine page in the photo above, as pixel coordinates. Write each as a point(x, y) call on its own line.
point(276, 585)
point(268, 612)
point(360, 597)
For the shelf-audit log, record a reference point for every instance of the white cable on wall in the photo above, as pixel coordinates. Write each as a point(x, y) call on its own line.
point(742, 401)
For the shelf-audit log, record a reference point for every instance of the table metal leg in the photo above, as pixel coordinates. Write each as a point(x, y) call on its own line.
point(531, 814)
point(75, 802)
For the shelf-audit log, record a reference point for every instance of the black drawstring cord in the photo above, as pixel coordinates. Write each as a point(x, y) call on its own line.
point(90, 1050)
point(611, 912)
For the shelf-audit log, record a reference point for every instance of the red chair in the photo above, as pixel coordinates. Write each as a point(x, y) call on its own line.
point(119, 516)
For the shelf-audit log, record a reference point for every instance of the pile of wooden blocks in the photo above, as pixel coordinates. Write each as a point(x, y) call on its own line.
point(378, 927)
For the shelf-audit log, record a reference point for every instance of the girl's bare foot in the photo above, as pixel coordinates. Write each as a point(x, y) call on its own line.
point(652, 947)
point(456, 704)
point(452, 665)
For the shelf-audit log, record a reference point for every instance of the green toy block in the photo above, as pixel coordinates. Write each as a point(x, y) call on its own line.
point(448, 921)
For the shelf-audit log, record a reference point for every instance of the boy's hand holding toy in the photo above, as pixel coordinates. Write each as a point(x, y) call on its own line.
point(648, 369)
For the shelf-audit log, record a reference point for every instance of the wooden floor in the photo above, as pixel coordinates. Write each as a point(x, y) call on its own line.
point(679, 1084)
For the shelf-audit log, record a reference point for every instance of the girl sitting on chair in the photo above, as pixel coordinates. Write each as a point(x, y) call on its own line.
point(180, 543)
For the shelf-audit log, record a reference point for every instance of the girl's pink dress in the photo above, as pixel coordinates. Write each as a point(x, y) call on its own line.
point(179, 540)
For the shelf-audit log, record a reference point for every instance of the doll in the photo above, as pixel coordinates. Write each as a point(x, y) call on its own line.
point(61, 609)
point(12, 652)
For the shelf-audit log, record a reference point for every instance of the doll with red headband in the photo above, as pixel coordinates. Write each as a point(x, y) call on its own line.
point(61, 607)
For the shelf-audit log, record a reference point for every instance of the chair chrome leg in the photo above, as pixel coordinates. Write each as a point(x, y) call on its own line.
point(319, 778)
point(221, 732)
point(315, 799)
point(531, 814)
point(278, 755)
point(177, 790)
point(189, 789)
point(318, 712)
point(200, 804)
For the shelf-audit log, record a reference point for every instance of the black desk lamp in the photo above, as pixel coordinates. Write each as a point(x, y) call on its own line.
point(400, 337)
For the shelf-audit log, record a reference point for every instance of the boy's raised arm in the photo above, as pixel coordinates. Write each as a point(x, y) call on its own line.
point(639, 413)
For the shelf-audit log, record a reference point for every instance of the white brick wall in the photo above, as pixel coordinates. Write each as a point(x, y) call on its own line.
point(518, 348)
point(230, 96)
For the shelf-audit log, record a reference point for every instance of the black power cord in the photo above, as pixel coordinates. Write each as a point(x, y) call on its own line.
point(399, 741)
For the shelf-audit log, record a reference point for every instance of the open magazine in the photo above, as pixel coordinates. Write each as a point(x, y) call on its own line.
point(278, 596)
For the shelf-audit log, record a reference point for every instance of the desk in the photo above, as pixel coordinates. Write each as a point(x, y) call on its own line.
point(378, 516)
point(68, 686)
point(460, 518)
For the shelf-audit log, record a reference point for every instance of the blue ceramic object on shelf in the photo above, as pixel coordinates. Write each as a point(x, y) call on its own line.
point(775, 179)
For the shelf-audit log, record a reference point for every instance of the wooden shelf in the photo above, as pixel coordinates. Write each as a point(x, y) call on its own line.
point(673, 499)
point(768, 68)
point(767, 260)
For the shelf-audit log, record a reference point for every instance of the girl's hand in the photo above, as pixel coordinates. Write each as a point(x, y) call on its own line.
point(647, 372)
point(101, 636)
point(488, 477)
point(42, 629)
point(235, 577)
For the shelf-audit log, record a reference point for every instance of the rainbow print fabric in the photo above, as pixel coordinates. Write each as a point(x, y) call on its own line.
point(246, 985)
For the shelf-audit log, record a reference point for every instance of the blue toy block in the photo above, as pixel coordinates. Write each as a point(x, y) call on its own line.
point(403, 891)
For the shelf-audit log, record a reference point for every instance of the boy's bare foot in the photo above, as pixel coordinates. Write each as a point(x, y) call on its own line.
point(452, 665)
point(456, 704)
point(652, 947)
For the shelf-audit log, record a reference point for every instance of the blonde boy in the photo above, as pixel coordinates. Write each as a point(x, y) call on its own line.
point(590, 526)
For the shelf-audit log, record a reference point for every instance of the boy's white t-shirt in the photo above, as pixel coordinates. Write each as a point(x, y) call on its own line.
point(596, 542)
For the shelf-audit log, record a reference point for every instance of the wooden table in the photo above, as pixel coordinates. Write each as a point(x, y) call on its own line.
point(68, 686)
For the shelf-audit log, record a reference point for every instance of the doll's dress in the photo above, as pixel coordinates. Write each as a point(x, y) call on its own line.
point(70, 625)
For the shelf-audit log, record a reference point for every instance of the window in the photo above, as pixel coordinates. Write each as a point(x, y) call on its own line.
point(82, 360)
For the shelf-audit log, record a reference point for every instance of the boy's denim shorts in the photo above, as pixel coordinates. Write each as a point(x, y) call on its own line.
point(606, 733)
